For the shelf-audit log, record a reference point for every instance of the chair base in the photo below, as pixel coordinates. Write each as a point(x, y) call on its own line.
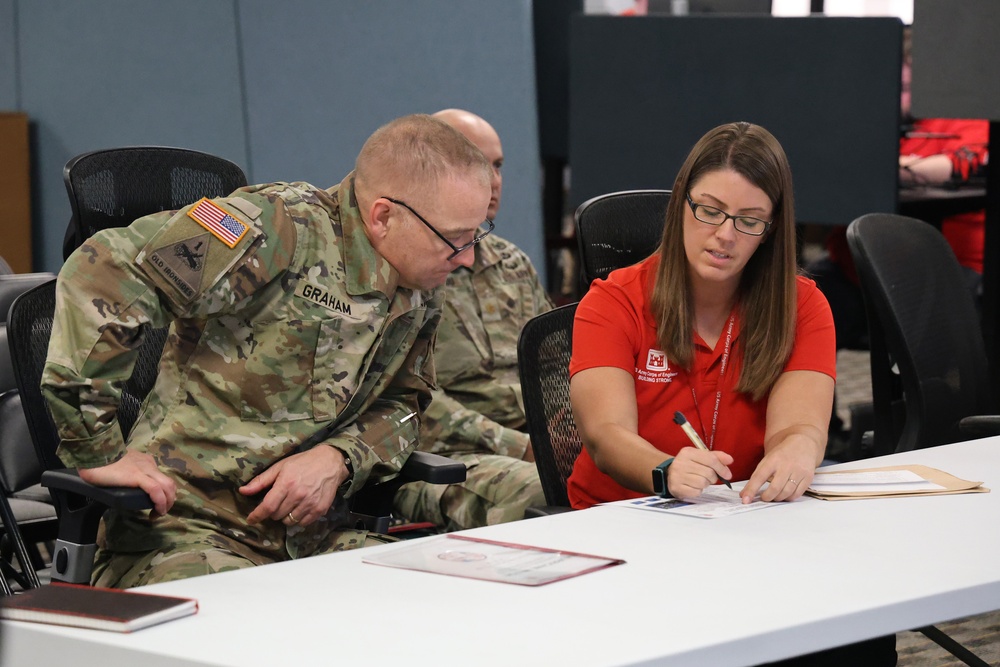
point(72, 563)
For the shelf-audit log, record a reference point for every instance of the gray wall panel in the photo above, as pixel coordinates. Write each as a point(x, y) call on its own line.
point(111, 73)
point(322, 76)
point(8, 57)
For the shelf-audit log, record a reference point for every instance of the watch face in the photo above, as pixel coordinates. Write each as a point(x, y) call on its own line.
point(659, 480)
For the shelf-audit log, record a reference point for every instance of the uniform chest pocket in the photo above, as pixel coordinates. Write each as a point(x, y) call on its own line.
point(356, 361)
point(278, 373)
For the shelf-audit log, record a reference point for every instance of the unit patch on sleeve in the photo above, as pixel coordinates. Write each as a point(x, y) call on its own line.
point(223, 226)
point(182, 263)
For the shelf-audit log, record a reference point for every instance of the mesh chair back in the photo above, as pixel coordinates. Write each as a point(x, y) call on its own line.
point(11, 287)
point(29, 325)
point(619, 229)
point(111, 188)
point(543, 353)
point(928, 359)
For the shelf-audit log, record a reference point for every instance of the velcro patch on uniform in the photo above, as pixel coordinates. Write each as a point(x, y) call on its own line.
point(182, 263)
point(223, 226)
point(251, 209)
point(490, 306)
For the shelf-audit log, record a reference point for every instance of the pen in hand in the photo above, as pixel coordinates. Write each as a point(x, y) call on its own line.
point(692, 435)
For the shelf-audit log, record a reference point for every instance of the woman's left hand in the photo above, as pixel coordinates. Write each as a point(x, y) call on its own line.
point(787, 467)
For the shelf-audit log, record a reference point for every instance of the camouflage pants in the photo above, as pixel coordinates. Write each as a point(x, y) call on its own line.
point(497, 489)
point(127, 570)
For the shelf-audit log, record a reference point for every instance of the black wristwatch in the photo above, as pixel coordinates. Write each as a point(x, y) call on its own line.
point(660, 479)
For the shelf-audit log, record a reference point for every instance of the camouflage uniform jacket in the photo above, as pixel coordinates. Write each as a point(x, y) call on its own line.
point(478, 408)
point(283, 319)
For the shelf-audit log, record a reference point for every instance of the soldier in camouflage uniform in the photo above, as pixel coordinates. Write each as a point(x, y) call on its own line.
point(477, 415)
point(291, 309)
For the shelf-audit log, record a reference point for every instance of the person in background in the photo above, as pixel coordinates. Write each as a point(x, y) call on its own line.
point(718, 326)
point(476, 416)
point(298, 361)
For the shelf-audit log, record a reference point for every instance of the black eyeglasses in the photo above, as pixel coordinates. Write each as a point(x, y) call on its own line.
point(455, 249)
point(714, 216)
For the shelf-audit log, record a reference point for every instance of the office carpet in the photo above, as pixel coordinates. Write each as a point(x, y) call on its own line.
point(980, 634)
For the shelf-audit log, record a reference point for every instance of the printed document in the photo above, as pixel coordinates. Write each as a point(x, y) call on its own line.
point(714, 502)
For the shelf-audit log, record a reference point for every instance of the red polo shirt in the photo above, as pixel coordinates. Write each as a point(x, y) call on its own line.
point(614, 327)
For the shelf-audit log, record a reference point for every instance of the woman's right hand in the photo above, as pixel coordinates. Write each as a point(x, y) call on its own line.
point(694, 470)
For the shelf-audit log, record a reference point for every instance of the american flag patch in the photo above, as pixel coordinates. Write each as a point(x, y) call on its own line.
point(223, 226)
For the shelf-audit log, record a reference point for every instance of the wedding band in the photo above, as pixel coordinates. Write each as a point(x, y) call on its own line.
point(292, 518)
point(789, 479)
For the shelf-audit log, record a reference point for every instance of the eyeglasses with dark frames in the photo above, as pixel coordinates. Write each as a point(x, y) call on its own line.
point(456, 250)
point(711, 215)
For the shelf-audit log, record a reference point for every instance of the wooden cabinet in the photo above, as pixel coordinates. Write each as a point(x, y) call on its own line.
point(15, 202)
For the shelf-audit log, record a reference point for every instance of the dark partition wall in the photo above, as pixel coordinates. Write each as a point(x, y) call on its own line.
point(643, 90)
point(955, 59)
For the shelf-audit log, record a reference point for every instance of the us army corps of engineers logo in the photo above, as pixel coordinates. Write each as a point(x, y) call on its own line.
point(657, 368)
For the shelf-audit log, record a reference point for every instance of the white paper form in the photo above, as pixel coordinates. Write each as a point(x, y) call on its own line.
point(874, 481)
point(713, 503)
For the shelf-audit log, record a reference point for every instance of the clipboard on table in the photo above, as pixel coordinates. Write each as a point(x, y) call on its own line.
point(889, 482)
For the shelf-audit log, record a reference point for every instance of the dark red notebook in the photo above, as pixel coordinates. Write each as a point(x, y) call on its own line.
point(96, 608)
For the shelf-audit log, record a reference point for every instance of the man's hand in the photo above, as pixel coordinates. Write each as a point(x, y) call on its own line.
point(694, 470)
point(136, 469)
point(302, 486)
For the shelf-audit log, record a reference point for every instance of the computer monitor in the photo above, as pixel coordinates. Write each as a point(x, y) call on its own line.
point(644, 90)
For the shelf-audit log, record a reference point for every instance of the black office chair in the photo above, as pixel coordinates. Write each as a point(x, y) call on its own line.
point(543, 353)
point(24, 504)
point(78, 504)
point(618, 229)
point(113, 187)
point(930, 383)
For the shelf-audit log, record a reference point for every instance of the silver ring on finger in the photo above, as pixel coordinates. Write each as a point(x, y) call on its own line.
point(793, 481)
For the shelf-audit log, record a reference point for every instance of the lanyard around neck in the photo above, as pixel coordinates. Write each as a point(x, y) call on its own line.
point(718, 394)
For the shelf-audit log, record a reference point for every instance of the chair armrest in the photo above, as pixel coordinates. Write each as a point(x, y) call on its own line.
point(432, 468)
point(980, 426)
point(371, 506)
point(117, 497)
point(80, 506)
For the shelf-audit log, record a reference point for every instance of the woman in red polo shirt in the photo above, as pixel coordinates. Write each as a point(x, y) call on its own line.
point(716, 325)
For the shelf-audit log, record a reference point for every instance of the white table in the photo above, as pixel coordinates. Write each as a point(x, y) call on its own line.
point(740, 590)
